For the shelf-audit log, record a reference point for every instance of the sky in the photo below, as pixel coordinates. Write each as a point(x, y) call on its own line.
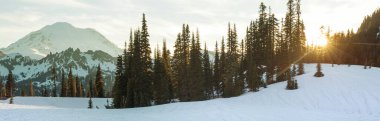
point(115, 18)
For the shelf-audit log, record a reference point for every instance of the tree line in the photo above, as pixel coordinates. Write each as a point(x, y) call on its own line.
point(272, 51)
point(71, 86)
point(360, 47)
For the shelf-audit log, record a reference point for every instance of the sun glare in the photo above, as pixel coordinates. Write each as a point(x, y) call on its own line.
point(317, 42)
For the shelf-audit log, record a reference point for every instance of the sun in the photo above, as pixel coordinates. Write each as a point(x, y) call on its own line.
point(317, 42)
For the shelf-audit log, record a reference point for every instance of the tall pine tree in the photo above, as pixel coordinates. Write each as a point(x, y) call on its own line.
point(207, 73)
point(63, 85)
point(99, 83)
point(10, 85)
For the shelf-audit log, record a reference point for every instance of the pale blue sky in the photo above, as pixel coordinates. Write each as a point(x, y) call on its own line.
point(114, 18)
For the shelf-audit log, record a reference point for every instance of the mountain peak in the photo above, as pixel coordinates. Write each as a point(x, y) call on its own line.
point(58, 26)
point(58, 37)
point(61, 24)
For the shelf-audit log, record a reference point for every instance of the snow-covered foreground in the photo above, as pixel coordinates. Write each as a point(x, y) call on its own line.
point(344, 94)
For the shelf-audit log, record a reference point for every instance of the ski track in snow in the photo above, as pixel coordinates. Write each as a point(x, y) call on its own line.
point(343, 94)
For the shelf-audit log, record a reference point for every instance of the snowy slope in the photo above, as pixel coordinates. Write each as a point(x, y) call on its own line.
point(58, 37)
point(58, 102)
point(344, 94)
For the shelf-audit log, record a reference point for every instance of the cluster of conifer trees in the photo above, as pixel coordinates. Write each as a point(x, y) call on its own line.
point(271, 52)
point(8, 89)
point(70, 87)
point(360, 48)
point(73, 87)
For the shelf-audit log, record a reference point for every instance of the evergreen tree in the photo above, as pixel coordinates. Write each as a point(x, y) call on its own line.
point(139, 86)
point(54, 78)
point(63, 85)
point(90, 104)
point(80, 89)
point(145, 47)
point(300, 38)
point(240, 78)
point(90, 89)
point(99, 83)
point(196, 80)
point(45, 92)
point(168, 70)
point(23, 91)
point(161, 80)
point(78, 86)
point(143, 58)
point(301, 69)
point(207, 70)
point(74, 86)
point(1, 87)
point(181, 60)
point(226, 85)
point(176, 64)
point(10, 85)
point(232, 63)
point(94, 91)
point(319, 71)
point(282, 54)
point(291, 83)
point(217, 75)
point(70, 81)
point(118, 96)
point(11, 100)
point(294, 71)
point(252, 73)
point(270, 47)
point(31, 89)
point(252, 78)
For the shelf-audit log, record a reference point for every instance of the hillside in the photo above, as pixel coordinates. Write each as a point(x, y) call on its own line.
point(344, 94)
point(58, 37)
point(369, 28)
point(39, 71)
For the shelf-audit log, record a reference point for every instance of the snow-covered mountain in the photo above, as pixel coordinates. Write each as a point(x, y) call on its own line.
point(58, 37)
point(83, 64)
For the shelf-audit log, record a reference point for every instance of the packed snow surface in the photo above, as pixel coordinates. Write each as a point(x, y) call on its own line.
point(343, 94)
